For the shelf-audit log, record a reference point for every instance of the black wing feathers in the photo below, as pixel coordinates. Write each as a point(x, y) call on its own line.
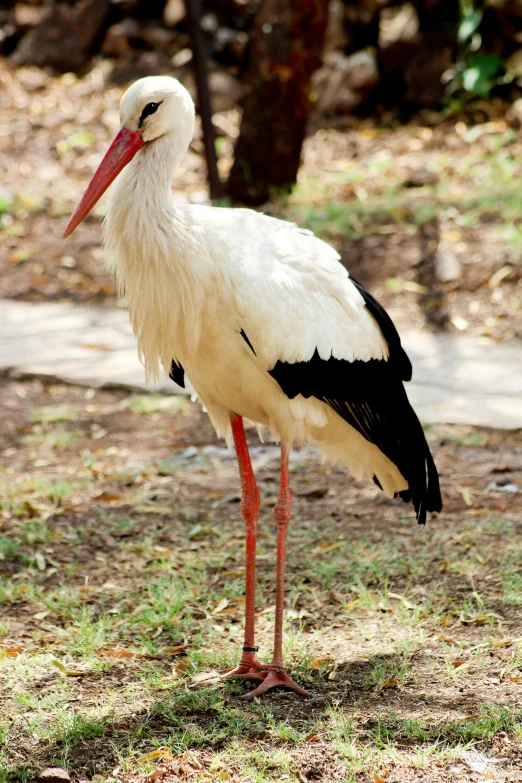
point(177, 374)
point(370, 396)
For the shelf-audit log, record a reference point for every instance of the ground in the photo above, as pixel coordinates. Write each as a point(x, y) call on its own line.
point(368, 187)
point(121, 562)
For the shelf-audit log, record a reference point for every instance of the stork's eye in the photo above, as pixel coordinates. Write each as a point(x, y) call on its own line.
point(150, 108)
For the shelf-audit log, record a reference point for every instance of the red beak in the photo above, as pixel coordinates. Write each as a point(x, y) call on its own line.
point(122, 150)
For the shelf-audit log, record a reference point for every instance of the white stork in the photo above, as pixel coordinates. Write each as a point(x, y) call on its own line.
point(267, 324)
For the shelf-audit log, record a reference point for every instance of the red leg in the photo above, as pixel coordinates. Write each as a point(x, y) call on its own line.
point(277, 675)
point(249, 667)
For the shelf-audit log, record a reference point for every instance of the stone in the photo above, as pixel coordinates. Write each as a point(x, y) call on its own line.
point(447, 266)
point(53, 775)
point(59, 341)
point(420, 177)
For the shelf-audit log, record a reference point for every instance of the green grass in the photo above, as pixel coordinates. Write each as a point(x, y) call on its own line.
point(472, 184)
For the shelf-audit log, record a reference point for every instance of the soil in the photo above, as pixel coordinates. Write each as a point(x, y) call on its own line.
point(145, 486)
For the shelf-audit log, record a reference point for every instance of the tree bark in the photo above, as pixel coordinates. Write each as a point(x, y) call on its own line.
point(286, 46)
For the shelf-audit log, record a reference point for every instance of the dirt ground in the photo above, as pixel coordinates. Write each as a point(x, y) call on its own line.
point(121, 563)
point(369, 187)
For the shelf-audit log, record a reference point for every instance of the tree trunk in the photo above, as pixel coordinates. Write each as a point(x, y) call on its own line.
point(286, 46)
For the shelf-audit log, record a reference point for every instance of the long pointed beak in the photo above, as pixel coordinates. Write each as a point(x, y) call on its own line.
point(122, 150)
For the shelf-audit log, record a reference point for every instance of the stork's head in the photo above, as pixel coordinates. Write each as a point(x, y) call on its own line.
point(151, 108)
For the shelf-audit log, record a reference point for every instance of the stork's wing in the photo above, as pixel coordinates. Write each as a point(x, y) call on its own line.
point(321, 334)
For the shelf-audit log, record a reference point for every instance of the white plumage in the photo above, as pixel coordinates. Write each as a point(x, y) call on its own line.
point(195, 276)
point(260, 314)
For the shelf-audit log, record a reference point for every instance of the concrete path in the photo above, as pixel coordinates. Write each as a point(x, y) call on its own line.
point(457, 379)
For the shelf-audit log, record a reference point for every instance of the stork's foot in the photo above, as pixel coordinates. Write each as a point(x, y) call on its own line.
point(276, 677)
point(248, 670)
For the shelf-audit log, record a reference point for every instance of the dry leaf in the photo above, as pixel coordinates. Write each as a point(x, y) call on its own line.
point(467, 495)
point(155, 774)
point(12, 652)
point(460, 665)
point(378, 778)
point(182, 667)
point(160, 753)
point(118, 653)
point(352, 603)
point(404, 600)
point(488, 775)
point(447, 639)
point(221, 605)
point(174, 650)
point(108, 497)
point(321, 549)
point(499, 275)
point(206, 678)
point(391, 683)
point(318, 662)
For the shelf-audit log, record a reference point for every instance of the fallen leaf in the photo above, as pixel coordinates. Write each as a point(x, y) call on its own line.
point(499, 275)
point(467, 495)
point(321, 549)
point(68, 672)
point(40, 615)
point(155, 774)
point(182, 667)
point(164, 753)
point(174, 650)
point(108, 497)
point(206, 678)
point(401, 598)
point(447, 639)
point(318, 662)
point(12, 652)
point(118, 653)
point(378, 778)
point(221, 605)
point(352, 603)
point(460, 665)
point(391, 683)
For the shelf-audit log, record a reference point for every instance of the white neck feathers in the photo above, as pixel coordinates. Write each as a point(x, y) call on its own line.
point(154, 252)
